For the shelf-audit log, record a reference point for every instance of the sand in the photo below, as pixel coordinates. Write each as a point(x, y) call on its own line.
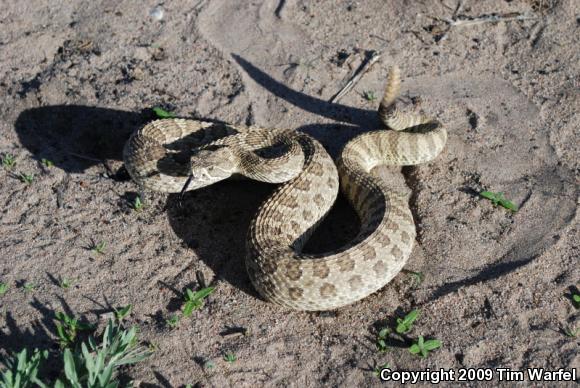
point(76, 79)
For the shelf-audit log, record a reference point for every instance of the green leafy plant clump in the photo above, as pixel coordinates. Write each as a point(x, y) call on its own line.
point(388, 337)
point(22, 369)
point(92, 365)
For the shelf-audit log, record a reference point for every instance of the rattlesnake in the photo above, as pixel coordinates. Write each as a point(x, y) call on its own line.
point(164, 153)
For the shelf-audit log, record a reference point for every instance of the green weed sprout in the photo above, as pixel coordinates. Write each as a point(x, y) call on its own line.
point(418, 277)
point(575, 299)
point(67, 329)
point(26, 178)
point(404, 325)
point(8, 161)
point(499, 199)
point(99, 248)
point(369, 95)
point(46, 163)
point(29, 287)
point(422, 347)
point(121, 313)
point(172, 321)
point(163, 114)
point(382, 345)
point(570, 332)
point(378, 369)
point(230, 357)
point(3, 288)
point(138, 204)
point(21, 370)
point(65, 283)
point(194, 300)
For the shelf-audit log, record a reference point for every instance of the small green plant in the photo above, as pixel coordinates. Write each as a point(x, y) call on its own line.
point(8, 161)
point(67, 329)
point(382, 338)
point(47, 163)
point(576, 300)
point(209, 365)
point(499, 199)
point(571, 332)
point(194, 300)
point(418, 277)
point(121, 313)
point(99, 247)
point(369, 95)
point(404, 325)
point(26, 178)
point(378, 369)
point(172, 321)
point(3, 288)
point(138, 204)
point(163, 114)
point(28, 287)
point(230, 357)
point(422, 347)
point(21, 370)
point(65, 283)
point(152, 347)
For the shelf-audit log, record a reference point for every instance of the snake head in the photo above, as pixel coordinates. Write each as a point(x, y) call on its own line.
point(212, 164)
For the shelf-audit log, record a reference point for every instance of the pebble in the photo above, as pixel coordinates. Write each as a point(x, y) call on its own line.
point(157, 13)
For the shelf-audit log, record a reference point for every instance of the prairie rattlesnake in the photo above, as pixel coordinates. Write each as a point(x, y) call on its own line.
point(154, 157)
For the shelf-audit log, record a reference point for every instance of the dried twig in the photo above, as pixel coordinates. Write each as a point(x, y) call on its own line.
point(356, 76)
point(458, 20)
point(491, 18)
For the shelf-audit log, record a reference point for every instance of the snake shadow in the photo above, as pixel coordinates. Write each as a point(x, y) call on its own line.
point(76, 137)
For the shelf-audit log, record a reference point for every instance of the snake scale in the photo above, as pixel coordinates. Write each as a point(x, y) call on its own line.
point(163, 154)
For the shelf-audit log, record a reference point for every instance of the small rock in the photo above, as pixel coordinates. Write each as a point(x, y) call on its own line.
point(157, 13)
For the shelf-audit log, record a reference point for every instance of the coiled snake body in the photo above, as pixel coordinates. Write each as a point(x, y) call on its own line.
point(159, 157)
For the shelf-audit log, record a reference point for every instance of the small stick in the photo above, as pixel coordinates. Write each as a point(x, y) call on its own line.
point(493, 18)
point(488, 19)
point(356, 76)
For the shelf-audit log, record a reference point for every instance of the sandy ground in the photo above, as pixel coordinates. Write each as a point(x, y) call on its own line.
point(76, 77)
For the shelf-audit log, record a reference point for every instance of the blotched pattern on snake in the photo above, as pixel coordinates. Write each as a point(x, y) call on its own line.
point(164, 153)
